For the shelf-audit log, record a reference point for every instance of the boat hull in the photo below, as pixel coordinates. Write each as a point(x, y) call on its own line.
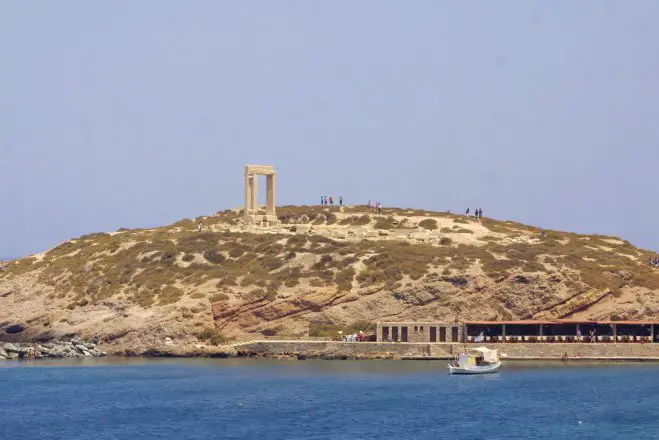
point(484, 369)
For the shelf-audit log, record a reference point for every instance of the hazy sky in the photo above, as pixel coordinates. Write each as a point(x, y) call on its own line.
point(140, 113)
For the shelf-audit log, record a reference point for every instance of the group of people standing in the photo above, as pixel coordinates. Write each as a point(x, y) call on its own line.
point(329, 201)
point(377, 206)
point(478, 213)
point(654, 262)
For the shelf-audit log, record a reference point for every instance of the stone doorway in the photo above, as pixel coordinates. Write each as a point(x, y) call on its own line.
point(253, 214)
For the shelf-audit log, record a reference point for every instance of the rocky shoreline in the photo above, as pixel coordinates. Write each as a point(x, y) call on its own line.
point(75, 348)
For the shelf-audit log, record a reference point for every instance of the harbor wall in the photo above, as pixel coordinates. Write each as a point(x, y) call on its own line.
point(386, 350)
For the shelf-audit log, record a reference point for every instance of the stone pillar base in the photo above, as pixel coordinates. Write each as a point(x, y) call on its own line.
point(262, 220)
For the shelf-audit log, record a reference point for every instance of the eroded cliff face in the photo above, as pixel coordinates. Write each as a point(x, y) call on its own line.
point(321, 269)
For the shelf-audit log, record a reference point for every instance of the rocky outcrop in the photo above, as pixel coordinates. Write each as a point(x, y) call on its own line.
point(138, 291)
point(74, 348)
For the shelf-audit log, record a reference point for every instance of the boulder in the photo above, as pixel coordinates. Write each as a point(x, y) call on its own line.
point(11, 348)
point(80, 348)
point(3, 353)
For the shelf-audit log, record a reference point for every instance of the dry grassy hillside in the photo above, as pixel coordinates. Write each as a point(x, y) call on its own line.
point(319, 271)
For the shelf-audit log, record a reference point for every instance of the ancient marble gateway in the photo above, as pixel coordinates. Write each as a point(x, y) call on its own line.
point(253, 215)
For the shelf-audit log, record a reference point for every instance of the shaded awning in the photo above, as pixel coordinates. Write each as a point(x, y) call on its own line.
point(558, 322)
point(519, 322)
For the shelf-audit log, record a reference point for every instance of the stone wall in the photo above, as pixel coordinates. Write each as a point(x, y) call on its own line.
point(375, 350)
point(334, 350)
point(554, 351)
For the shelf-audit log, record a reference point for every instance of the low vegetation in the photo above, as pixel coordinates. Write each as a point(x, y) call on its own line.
point(163, 266)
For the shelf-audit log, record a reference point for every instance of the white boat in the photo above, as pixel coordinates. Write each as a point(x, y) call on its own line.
point(482, 361)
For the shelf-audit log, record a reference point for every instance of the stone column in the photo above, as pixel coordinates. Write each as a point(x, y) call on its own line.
point(255, 199)
point(503, 332)
point(248, 195)
point(615, 333)
point(651, 332)
point(271, 183)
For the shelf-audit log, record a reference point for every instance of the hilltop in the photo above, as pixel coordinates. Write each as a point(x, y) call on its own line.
point(318, 271)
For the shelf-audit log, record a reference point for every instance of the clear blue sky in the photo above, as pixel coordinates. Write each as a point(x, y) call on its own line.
point(140, 113)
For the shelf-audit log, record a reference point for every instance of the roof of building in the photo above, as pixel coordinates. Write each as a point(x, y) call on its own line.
point(559, 322)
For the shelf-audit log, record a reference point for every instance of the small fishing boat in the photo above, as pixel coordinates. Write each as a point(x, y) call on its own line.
point(482, 361)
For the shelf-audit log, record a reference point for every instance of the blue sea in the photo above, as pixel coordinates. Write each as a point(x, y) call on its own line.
point(118, 398)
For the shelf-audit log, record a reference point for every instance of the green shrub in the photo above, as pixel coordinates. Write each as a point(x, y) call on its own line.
point(256, 295)
point(218, 297)
point(363, 220)
point(445, 241)
point(384, 223)
point(316, 282)
point(214, 257)
point(169, 295)
point(237, 251)
point(428, 223)
point(344, 278)
point(213, 336)
point(323, 330)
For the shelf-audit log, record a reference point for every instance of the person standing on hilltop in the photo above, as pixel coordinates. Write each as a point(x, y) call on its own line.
point(199, 227)
point(331, 199)
point(467, 213)
point(340, 200)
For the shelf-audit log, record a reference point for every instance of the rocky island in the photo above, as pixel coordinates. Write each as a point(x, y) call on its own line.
point(191, 287)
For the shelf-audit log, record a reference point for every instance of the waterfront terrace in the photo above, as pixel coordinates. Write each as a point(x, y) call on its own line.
point(520, 331)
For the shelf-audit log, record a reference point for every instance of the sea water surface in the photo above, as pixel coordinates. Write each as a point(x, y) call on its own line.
point(264, 399)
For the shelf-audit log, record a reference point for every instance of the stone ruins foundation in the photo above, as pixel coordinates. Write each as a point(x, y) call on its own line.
point(253, 214)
